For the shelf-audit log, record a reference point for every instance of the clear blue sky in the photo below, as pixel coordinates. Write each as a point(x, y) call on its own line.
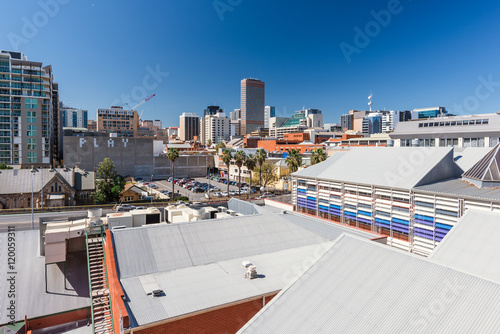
point(430, 53)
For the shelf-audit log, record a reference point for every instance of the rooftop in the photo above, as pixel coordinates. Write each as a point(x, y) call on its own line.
point(472, 245)
point(31, 299)
point(395, 167)
point(359, 286)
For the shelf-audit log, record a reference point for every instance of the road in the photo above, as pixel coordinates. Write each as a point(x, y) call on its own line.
point(23, 221)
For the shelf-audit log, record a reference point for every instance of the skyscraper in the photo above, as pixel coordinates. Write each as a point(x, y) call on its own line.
point(269, 112)
point(212, 110)
point(189, 126)
point(29, 119)
point(252, 105)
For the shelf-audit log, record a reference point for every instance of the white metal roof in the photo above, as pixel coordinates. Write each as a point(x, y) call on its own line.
point(460, 188)
point(31, 299)
point(394, 167)
point(465, 158)
point(473, 245)
point(360, 286)
point(197, 288)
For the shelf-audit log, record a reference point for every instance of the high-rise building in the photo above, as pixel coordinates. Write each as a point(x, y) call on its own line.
point(235, 114)
point(346, 122)
point(372, 123)
point(29, 120)
point(212, 110)
point(74, 118)
point(91, 125)
point(300, 121)
point(189, 126)
point(252, 105)
point(116, 120)
point(269, 112)
point(215, 128)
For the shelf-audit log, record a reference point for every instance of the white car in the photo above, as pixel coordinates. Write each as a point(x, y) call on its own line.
point(224, 193)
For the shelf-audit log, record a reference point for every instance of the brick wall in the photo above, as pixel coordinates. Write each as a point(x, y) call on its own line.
point(225, 320)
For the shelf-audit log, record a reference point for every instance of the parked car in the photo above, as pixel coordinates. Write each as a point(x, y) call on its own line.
point(224, 194)
point(152, 185)
point(140, 207)
point(125, 207)
point(170, 179)
point(138, 179)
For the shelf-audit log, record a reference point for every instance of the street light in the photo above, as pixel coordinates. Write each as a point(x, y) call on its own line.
point(33, 171)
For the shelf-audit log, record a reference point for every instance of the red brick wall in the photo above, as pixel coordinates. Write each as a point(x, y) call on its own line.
point(226, 320)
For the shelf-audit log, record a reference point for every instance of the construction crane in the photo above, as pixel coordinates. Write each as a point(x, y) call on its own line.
point(141, 103)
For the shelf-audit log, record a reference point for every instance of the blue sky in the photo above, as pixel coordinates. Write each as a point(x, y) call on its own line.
point(425, 53)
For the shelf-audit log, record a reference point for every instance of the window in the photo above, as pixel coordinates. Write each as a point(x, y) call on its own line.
point(31, 144)
point(30, 103)
point(448, 142)
point(31, 117)
point(31, 130)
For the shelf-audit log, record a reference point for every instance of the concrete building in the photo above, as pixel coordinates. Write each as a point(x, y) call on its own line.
point(414, 203)
point(482, 130)
point(300, 121)
point(73, 117)
point(269, 111)
point(252, 105)
point(347, 122)
point(116, 120)
point(30, 127)
point(132, 157)
point(149, 126)
point(235, 114)
point(91, 125)
point(215, 128)
point(433, 112)
point(189, 126)
point(332, 127)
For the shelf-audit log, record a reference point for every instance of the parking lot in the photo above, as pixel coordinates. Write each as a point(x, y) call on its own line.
point(197, 196)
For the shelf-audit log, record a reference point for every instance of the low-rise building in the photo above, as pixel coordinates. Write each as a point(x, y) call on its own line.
point(50, 187)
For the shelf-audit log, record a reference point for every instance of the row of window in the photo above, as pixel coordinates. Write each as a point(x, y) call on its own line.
point(453, 123)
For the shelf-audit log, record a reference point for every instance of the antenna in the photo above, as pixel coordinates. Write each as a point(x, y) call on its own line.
point(370, 102)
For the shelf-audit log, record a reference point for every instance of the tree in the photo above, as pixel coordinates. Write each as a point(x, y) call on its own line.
point(239, 160)
point(261, 159)
point(294, 160)
point(209, 142)
point(267, 174)
point(226, 159)
point(4, 166)
point(173, 155)
point(110, 184)
point(220, 145)
point(318, 155)
point(250, 163)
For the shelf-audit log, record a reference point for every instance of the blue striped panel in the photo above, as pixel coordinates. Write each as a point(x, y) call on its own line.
point(323, 210)
point(448, 227)
point(335, 206)
point(430, 219)
point(323, 207)
point(311, 198)
point(442, 230)
point(400, 225)
point(424, 222)
point(383, 221)
point(383, 225)
point(400, 229)
point(366, 213)
point(401, 221)
point(353, 214)
point(335, 212)
point(366, 221)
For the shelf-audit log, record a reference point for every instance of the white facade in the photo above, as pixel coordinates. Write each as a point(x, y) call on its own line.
point(216, 128)
point(74, 118)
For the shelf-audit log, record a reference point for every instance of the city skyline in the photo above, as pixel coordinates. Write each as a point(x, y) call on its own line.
point(332, 64)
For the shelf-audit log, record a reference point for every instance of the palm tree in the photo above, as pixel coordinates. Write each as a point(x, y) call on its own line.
point(261, 159)
point(318, 155)
point(226, 158)
point(239, 160)
point(250, 163)
point(172, 155)
point(294, 160)
point(209, 143)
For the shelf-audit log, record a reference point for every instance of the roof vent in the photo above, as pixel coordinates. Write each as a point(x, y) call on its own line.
point(251, 270)
point(158, 293)
point(486, 172)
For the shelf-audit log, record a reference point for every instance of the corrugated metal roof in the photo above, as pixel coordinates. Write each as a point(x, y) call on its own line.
point(31, 299)
point(143, 250)
point(394, 167)
point(197, 288)
point(365, 287)
point(16, 181)
point(458, 187)
point(486, 169)
point(473, 245)
point(465, 158)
